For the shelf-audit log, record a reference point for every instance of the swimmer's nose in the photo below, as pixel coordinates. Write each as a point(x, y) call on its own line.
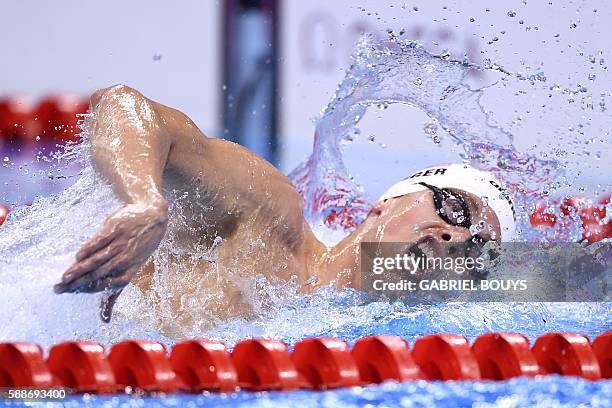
point(451, 240)
point(452, 234)
point(443, 233)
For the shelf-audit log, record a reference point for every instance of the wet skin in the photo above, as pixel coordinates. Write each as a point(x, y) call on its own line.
point(141, 146)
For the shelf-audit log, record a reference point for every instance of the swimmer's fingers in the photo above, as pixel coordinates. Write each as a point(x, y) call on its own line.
point(107, 303)
point(113, 283)
point(81, 268)
point(97, 242)
point(114, 268)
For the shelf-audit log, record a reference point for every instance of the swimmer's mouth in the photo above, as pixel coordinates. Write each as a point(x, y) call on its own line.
point(423, 249)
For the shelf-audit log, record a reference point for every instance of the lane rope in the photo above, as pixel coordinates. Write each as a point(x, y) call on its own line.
point(198, 365)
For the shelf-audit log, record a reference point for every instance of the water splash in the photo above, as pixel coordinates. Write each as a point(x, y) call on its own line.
point(38, 242)
point(402, 72)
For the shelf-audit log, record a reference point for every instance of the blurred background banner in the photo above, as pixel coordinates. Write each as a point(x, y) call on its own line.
point(170, 51)
point(55, 54)
point(258, 71)
point(250, 75)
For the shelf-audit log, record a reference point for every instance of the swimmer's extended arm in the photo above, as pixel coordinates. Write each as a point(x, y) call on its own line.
point(129, 146)
point(134, 142)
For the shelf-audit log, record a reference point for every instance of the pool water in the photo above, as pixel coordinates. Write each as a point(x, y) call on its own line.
point(346, 315)
point(554, 391)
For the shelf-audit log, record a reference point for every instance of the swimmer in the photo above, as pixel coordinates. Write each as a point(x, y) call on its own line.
point(141, 147)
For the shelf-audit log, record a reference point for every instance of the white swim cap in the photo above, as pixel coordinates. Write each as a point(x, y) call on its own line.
point(461, 176)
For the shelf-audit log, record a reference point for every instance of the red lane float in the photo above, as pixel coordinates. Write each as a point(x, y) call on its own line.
point(54, 119)
point(58, 116)
point(541, 217)
point(22, 365)
point(584, 208)
point(591, 216)
point(317, 363)
point(82, 367)
point(142, 364)
point(4, 211)
point(602, 347)
point(265, 365)
point(383, 357)
point(446, 357)
point(325, 363)
point(204, 365)
point(502, 356)
point(18, 123)
point(566, 354)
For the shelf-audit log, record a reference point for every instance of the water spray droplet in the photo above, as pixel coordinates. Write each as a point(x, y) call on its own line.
point(347, 140)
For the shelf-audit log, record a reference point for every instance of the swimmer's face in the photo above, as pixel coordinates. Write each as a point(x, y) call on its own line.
point(414, 217)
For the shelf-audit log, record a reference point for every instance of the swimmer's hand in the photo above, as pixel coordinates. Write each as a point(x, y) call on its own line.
point(114, 255)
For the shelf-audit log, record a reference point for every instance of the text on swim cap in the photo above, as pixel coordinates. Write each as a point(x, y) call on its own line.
point(430, 172)
point(505, 195)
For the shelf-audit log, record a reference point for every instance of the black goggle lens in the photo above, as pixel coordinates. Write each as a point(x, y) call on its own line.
point(451, 207)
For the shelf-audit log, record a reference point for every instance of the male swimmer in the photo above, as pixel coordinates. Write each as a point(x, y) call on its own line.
point(230, 192)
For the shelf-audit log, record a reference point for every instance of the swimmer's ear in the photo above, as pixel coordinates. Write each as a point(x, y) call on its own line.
point(107, 303)
point(377, 208)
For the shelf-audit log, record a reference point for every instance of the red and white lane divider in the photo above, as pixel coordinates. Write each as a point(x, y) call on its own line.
point(53, 119)
point(315, 363)
point(591, 213)
point(4, 212)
